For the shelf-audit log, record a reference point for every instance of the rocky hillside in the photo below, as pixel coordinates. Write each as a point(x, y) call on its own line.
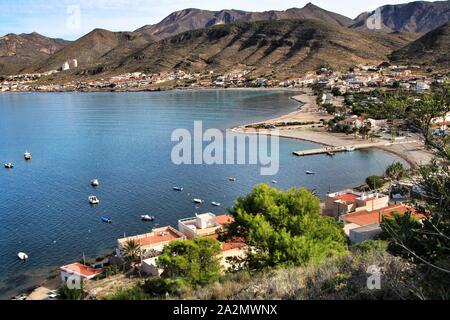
point(418, 16)
point(190, 19)
point(96, 48)
point(20, 51)
point(431, 49)
point(286, 47)
point(309, 12)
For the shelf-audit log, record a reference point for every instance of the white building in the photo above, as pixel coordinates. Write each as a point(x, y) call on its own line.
point(77, 272)
point(65, 66)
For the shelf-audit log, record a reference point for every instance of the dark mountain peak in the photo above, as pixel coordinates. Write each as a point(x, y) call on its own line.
point(311, 6)
point(417, 16)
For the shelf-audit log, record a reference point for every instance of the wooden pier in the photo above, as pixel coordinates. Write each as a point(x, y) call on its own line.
point(332, 150)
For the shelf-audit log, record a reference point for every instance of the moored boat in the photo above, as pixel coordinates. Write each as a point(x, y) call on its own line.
point(106, 219)
point(350, 148)
point(147, 217)
point(27, 156)
point(216, 204)
point(198, 201)
point(178, 188)
point(95, 183)
point(22, 256)
point(9, 165)
point(310, 172)
point(93, 200)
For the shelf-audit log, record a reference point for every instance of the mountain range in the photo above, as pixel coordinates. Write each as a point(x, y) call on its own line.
point(272, 41)
point(18, 51)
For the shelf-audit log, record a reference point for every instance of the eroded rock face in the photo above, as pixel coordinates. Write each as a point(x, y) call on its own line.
point(418, 16)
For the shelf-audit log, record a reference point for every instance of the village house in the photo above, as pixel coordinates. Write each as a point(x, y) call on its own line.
point(206, 225)
point(153, 241)
point(348, 201)
point(203, 225)
point(78, 270)
point(365, 224)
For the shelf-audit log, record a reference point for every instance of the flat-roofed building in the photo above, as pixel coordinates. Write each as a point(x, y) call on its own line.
point(155, 240)
point(203, 225)
point(365, 225)
point(348, 201)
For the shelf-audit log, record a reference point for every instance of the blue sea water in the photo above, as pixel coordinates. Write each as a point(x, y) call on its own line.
point(124, 140)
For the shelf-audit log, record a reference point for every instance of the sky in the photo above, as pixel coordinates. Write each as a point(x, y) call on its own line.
point(71, 19)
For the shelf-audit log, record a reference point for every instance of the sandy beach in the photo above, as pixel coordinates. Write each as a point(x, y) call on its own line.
point(412, 150)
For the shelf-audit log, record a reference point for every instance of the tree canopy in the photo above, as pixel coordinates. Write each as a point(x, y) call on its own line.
point(285, 228)
point(194, 261)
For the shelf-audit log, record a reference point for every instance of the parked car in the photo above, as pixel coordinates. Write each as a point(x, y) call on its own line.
point(20, 297)
point(54, 295)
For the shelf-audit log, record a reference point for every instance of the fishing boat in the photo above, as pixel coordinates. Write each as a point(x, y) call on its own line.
point(22, 256)
point(331, 154)
point(93, 200)
point(106, 219)
point(146, 217)
point(198, 201)
point(216, 204)
point(310, 172)
point(232, 179)
point(95, 183)
point(9, 165)
point(27, 156)
point(178, 188)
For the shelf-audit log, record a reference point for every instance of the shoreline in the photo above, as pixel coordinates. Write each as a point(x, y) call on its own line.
point(305, 124)
point(306, 111)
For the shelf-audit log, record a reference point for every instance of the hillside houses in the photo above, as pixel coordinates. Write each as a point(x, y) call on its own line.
point(362, 213)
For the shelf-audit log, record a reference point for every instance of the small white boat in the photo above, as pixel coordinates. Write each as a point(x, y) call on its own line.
point(350, 148)
point(9, 165)
point(310, 172)
point(198, 201)
point(146, 217)
point(232, 179)
point(93, 200)
point(178, 188)
point(22, 256)
point(274, 181)
point(95, 183)
point(27, 156)
point(216, 204)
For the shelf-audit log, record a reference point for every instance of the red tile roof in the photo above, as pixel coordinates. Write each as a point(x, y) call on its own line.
point(160, 235)
point(81, 269)
point(230, 244)
point(347, 197)
point(225, 219)
point(364, 218)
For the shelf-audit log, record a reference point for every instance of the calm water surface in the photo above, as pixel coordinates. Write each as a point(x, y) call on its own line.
point(124, 140)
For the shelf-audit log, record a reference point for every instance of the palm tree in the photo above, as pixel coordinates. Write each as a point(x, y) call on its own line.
point(132, 252)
